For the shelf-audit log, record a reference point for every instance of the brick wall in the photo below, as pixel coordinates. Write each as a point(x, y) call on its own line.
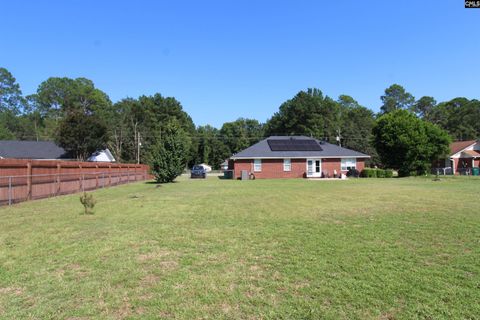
point(329, 165)
point(273, 168)
point(360, 164)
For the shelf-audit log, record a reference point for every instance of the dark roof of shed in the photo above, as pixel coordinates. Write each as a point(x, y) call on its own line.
point(262, 150)
point(13, 149)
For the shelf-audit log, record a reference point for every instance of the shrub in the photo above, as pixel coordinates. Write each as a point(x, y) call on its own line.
point(168, 156)
point(353, 173)
point(380, 173)
point(364, 173)
point(88, 202)
point(388, 173)
point(376, 173)
point(369, 173)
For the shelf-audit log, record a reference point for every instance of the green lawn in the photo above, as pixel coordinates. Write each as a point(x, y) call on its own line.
point(291, 249)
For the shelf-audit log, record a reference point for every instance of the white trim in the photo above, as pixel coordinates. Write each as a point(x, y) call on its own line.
point(256, 169)
point(289, 165)
point(304, 157)
point(314, 173)
point(341, 164)
point(455, 154)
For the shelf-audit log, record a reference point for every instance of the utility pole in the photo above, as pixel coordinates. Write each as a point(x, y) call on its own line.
point(138, 148)
point(339, 137)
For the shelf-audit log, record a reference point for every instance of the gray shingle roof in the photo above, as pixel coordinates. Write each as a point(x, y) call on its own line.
point(11, 149)
point(262, 150)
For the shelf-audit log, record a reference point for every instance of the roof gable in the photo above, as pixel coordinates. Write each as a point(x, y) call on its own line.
point(457, 146)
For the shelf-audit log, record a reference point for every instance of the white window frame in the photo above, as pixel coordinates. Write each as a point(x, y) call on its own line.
point(287, 164)
point(257, 165)
point(347, 163)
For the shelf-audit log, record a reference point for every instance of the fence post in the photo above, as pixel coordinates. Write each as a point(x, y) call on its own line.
point(59, 166)
point(80, 177)
point(29, 180)
point(96, 176)
point(9, 191)
point(109, 175)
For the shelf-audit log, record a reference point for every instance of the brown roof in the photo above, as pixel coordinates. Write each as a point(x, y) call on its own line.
point(458, 146)
point(473, 153)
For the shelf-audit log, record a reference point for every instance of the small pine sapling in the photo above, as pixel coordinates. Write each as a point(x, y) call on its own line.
point(88, 202)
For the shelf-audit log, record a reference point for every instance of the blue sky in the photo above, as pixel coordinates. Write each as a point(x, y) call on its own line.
point(228, 59)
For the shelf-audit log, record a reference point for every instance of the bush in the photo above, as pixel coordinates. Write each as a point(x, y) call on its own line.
point(376, 173)
point(369, 173)
point(353, 173)
point(380, 173)
point(88, 202)
point(168, 155)
point(388, 173)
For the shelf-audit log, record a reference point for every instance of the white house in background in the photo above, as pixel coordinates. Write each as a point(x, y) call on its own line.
point(206, 167)
point(101, 156)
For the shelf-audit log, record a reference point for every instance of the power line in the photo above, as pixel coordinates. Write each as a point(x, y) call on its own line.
point(199, 136)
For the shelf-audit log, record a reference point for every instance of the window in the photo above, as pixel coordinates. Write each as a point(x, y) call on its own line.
point(287, 165)
point(349, 163)
point(257, 165)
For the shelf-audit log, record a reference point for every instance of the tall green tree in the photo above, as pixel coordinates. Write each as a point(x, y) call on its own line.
point(156, 113)
point(407, 143)
point(11, 98)
point(11, 105)
point(124, 132)
point(56, 97)
point(211, 147)
point(81, 134)
point(309, 113)
point(81, 114)
point(424, 107)
point(241, 133)
point(168, 155)
point(356, 123)
point(459, 117)
point(395, 98)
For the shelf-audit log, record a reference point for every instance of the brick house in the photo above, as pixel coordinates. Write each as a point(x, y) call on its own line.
point(295, 157)
point(464, 155)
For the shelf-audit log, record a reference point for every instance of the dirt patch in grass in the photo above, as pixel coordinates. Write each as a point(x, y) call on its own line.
point(149, 280)
point(125, 309)
point(155, 255)
point(168, 265)
point(17, 291)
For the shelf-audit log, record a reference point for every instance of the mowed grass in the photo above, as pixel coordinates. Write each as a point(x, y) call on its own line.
point(291, 249)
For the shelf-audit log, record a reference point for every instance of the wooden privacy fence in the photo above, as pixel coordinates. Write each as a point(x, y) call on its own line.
point(22, 180)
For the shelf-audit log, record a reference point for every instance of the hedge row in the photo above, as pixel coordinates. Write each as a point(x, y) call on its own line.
point(376, 173)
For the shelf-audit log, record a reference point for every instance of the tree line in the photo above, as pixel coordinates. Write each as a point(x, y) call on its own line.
point(82, 119)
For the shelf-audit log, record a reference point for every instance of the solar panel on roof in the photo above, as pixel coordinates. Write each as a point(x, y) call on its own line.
point(293, 145)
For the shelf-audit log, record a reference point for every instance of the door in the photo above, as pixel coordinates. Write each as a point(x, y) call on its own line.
point(314, 168)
